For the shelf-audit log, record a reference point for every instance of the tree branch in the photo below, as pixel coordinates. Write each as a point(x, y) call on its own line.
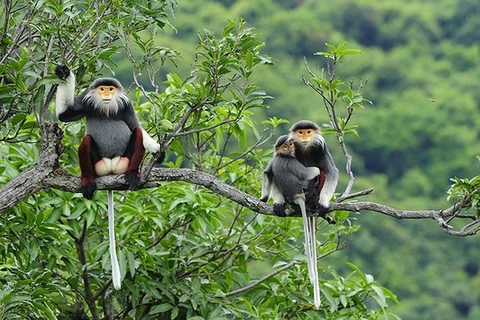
point(82, 257)
point(31, 180)
point(355, 195)
point(62, 180)
point(67, 182)
point(47, 174)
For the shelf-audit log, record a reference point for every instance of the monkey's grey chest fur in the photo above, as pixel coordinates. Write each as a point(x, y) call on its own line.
point(111, 136)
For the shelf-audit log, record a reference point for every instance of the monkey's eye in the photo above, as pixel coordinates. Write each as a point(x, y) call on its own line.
point(111, 89)
point(300, 132)
point(309, 132)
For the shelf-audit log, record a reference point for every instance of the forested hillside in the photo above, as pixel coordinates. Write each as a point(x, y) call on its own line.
point(422, 63)
point(195, 242)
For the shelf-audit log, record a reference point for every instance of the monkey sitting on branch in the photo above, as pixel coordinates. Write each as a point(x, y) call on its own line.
point(285, 180)
point(114, 141)
point(311, 150)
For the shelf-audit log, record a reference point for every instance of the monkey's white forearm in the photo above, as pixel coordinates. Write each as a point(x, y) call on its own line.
point(266, 187)
point(149, 143)
point(312, 172)
point(65, 94)
point(276, 194)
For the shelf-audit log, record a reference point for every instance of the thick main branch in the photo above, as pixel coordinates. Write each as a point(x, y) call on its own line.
point(67, 182)
point(31, 180)
point(46, 174)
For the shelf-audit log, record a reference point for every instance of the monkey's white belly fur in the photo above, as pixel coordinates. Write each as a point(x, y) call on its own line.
point(111, 136)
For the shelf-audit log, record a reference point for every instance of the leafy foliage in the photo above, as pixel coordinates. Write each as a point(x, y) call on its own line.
point(184, 252)
point(466, 190)
point(421, 62)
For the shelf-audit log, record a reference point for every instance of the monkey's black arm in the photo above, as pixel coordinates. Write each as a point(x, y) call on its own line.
point(129, 116)
point(131, 119)
point(73, 111)
point(329, 164)
point(303, 173)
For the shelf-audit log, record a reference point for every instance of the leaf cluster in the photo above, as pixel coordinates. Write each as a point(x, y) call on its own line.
point(184, 251)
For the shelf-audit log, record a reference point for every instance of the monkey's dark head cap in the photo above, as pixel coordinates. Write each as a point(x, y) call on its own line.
point(304, 124)
point(107, 82)
point(281, 140)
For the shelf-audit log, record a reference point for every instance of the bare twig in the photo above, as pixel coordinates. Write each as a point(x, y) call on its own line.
point(348, 168)
point(88, 34)
point(257, 144)
point(268, 276)
point(82, 257)
point(274, 273)
point(329, 101)
point(355, 195)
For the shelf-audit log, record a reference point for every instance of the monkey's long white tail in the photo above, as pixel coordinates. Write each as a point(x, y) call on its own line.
point(111, 235)
point(311, 251)
point(313, 247)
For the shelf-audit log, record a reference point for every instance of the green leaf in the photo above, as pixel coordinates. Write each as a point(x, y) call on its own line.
point(380, 296)
point(228, 28)
point(391, 295)
point(358, 271)
point(161, 308)
point(131, 263)
point(175, 312)
point(249, 60)
point(350, 52)
point(332, 48)
point(18, 118)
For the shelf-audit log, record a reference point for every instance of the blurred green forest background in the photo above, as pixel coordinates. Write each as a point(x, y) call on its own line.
point(422, 61)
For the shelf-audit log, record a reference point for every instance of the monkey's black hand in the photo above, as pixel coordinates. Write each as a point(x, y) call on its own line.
point(312, 201)
point(62, 71)
point(279, 209)
point(329, 219)
point(133, 180)
point(322, 210)
point(88, 190)
point(264, 199)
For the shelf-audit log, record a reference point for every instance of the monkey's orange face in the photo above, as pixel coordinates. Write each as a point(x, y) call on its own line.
point(106, 93)
point(305, 135)
point(289, 147)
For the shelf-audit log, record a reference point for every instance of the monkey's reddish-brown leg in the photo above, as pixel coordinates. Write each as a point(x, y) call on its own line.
point(321, 181)
point(135, 153)
point(88, 155)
